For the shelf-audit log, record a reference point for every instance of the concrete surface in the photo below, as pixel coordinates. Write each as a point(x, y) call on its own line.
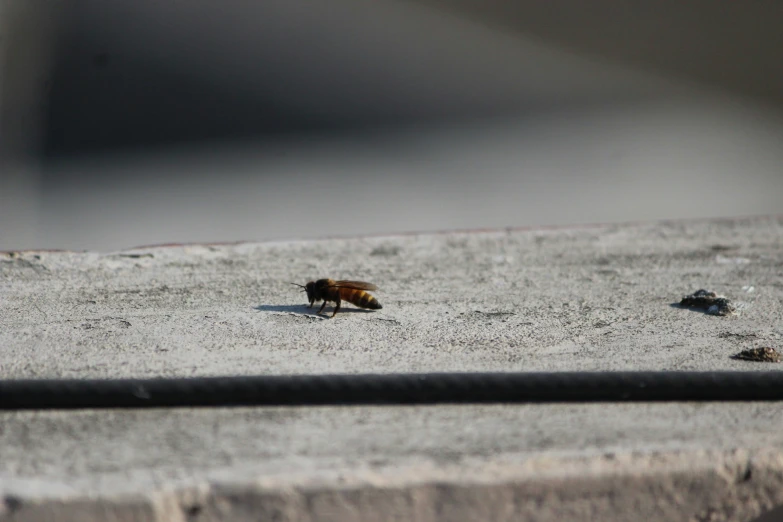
point(587, 298)
point(593, 298)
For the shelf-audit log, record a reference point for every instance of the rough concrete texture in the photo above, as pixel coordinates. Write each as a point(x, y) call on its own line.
point(594, 298)
point(590, 298)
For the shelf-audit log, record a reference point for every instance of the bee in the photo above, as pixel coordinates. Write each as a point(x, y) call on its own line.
point(329, 290)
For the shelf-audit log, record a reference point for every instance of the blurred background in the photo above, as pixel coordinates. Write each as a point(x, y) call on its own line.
point(156, 121)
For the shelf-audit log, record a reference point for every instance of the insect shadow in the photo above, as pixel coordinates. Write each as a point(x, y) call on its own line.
point(689, 308)
point(699, 310)
point(302, 309)
point(281, 308)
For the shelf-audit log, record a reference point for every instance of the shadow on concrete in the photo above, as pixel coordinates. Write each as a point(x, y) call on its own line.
point(694, 309)
point(302, 309)
point(281, 308)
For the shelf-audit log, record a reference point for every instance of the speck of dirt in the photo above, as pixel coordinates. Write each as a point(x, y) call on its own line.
point(12, 503)
point(723, 248)
point(766, 354)
point(731, 335)
point(193, 511)
point(713, 303)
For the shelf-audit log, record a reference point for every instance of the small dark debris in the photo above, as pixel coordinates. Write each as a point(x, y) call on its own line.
point(494, 314)
point(193, 511)
point(765, 354)
point(135, 256)
point(12, 503)
point(722, 248)
point(395, 321)
point(19, 260)
point(730, 335)
point(386, 251)
point(712, 302)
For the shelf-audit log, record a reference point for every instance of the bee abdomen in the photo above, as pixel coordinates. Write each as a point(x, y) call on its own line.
point(360, 298)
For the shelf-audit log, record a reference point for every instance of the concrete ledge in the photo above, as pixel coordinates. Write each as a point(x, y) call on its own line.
point(658, 487)
point(590, 298)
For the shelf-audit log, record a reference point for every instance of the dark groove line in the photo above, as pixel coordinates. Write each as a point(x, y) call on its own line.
point(390, 389)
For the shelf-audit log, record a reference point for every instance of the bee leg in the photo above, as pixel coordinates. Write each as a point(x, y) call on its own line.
point(322, 307)
point(336, 307)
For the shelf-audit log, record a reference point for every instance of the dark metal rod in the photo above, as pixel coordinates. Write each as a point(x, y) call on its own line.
point(428, 388)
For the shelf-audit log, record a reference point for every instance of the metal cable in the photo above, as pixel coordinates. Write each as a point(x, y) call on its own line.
point(428, 388)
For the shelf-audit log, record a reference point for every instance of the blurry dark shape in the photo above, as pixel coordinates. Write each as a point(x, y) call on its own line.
point(766, 354)
point(100, 60)
point(774, 515)
point(198, 121)
point(27, 33)
point(194, 72)
point(139, 105)
point(736, 46)
point(713, 303)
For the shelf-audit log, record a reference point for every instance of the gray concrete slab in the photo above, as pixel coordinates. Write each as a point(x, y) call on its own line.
point(594, 298)
point(609, 462)
point(588, 298)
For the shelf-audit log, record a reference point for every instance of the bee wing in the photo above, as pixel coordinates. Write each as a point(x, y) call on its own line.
point(356, 285)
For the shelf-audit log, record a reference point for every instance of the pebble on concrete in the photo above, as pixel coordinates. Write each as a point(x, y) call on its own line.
point(765, 354)
point(713, 303)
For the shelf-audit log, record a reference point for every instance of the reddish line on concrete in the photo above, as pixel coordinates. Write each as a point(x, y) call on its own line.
point(531, 228)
